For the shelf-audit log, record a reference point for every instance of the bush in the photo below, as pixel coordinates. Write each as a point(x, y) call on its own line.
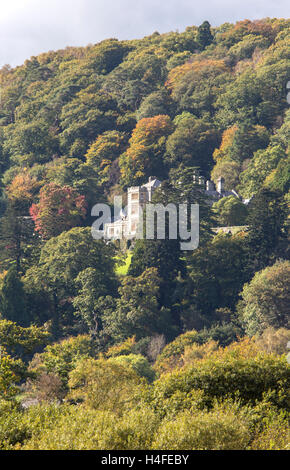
point(60, 358)
point(46, 387)
point(172, 355)
point(104, 385)
point(18, 425)
point(273, 341)
point(137, 363)
point(79, 428)
point(219, 429)
point(12, 429)
point(226, 374)
point(275, 436)
point(122, 349)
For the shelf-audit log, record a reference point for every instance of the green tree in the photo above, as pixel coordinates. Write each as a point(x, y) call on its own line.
point(157, 103)
point(62, 259)
point(163, 255)
point(17, 239)
point(238, 370)
point(12, 301)
point(138, 363)
point(29, 143)
point(220, 429)
point(21, 341)
point(11, 373)
point(137, 311)
point(279, 179)
point(267, 218)
point(217, 272)
point(73, 172)
point(91, 285)
point(259, 168)
point(192, 143)
point(204, 36)
point(230, 211)
point(62, 357)
point(90, 113)
point(265, 300)
point(197, 83)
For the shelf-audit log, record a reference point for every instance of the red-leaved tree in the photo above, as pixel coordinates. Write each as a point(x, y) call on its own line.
point(60, 208)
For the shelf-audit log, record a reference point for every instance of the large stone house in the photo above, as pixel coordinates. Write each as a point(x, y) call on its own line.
point(125, 224)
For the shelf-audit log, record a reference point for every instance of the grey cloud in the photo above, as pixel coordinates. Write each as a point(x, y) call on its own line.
point(41, 25)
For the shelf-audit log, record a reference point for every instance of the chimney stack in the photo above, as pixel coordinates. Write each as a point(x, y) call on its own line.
point(220, 185)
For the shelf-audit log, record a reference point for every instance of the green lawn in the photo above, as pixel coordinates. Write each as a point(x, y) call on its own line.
point(122, 270)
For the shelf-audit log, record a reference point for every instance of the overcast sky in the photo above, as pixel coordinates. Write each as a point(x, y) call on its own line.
point(29, 27)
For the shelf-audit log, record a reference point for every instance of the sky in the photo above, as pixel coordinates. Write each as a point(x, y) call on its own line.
point(30, 27)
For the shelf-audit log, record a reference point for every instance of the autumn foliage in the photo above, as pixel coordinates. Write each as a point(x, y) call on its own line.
point(59, 209)
point(147, 145)
point(201, 67)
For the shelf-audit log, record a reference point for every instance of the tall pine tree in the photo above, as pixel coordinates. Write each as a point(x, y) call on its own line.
point(12, 301)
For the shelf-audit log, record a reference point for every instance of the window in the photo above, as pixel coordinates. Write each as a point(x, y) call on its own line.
point(134, 209)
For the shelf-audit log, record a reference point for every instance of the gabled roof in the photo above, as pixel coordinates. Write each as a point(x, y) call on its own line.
point(217, 195)
point(152, 184)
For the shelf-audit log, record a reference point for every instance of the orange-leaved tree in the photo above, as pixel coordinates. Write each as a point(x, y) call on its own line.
point(144, 156)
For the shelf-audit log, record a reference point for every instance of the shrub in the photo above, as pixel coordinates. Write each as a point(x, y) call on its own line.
point(60, 358)
point(219, 429)
point(79, 428)
point(137, 363)
point(47, 387)
point(122, 349)
point(275, 436)
point(12, 429)
point(273, 341)
point(226, 375)
point(104, 385)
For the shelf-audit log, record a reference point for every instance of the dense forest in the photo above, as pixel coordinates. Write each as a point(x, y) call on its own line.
point(155, 347)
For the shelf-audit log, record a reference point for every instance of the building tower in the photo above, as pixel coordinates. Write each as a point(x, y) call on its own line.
point(220, 185)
